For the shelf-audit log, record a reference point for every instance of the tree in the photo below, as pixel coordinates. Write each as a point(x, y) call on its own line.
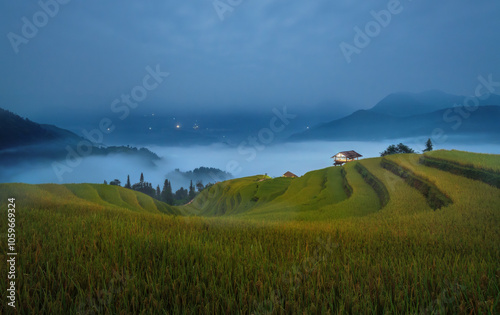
point(105, 182)
point(405, 149)
point(393, 149)
point(166, 194)
point(145, 188)
point(158, 192)
point(116, 182)
point(181, 194)
point(192, 192)
point(428, 145)
point(199, 186)
point(127, 185)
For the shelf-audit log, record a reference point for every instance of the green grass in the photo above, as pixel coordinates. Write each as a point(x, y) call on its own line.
point(257, 245)
point(478, 160)
point(475, 166)
point(48, 196)
point(317, 196)
point(403, 199)
point(435, 197)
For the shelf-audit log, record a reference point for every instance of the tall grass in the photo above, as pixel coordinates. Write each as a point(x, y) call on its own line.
point(477, 160)
point(96, 257)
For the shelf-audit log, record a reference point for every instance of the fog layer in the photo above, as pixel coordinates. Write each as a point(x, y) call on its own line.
point(274, 160)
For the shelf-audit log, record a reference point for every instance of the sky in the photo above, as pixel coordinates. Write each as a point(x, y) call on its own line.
point(77, 57)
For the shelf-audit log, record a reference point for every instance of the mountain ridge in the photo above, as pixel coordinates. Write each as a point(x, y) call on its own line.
point(22, 139)
point(404, 104)
point(385, 120)
point(16, 131)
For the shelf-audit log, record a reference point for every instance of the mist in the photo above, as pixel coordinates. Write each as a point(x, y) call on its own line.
point(273, 160)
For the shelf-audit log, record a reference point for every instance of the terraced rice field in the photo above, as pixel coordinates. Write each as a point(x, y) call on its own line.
point(258, 245)
point(476, 160)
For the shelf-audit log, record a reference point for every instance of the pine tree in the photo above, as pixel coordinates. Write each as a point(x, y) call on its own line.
point(105, 182)
point(428, 145)
point(164, 191)
point(127, 185)
point(192, 192)
point(167, 195)
point(142, 178)
point(158, 192)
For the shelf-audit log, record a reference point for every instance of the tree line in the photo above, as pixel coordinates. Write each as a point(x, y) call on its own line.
point(166, 194)
point(402, 148)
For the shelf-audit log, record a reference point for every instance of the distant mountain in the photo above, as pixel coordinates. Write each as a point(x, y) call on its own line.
point(371, 125)
point(16, 131)
point(409, 104)
point(24, 140)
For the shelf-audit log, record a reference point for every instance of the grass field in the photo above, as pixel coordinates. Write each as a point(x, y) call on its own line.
point(258, 245)
point(479, 160)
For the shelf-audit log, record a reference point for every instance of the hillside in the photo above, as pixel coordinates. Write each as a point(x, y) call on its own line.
point(316, 196)
point(94, 197)
point(409, 104)
point(371, 125)
point(406, 233)
point(24, 141)
point(16, 131)
point(326, 194)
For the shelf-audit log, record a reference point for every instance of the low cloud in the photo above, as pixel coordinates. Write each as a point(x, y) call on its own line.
point(274, 160)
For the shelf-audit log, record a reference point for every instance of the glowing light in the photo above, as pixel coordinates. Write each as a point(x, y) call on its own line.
point(178, 126)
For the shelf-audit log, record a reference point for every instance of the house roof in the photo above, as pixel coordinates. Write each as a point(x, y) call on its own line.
point(289, 174)
point(349, 154)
